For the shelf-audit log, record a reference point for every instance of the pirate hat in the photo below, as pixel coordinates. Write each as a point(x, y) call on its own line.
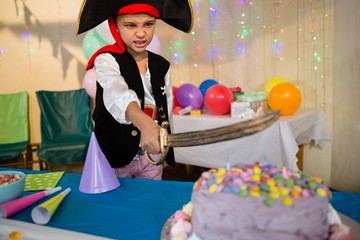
point(177, 13)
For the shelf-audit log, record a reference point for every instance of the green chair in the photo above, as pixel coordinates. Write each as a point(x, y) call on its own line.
point(15, 148)
point(66, 126)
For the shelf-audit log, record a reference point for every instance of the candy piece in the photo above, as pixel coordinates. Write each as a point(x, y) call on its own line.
point(219, 180)
point(274, 194)
point(312, 185)
point(222, 171)
point(316, 179)
point(305, 193)
point(289, 182)
point(294, 194)
point(269, 202)
point(284, 191)
point(287, 201)
point(212, 188)
point(243, 194)
point(256, 178)
point(257, 170)
point(297, 189)
point(271, 183)
point(321, 192)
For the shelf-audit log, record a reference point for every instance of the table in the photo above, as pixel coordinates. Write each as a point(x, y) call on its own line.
point(277, 144)
point(136, 210)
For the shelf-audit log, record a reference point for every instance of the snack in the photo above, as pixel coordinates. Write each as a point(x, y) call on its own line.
point(5, 179)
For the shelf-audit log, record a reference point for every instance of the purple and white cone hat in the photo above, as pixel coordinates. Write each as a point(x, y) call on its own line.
point(97, 175)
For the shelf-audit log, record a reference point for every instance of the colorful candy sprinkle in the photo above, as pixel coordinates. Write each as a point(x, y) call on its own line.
point(272, 183)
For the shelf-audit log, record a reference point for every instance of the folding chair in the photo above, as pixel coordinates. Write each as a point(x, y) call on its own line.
point(15, 149)
point(66, 126)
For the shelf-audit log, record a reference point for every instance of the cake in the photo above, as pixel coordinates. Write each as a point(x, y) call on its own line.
point(258, 201)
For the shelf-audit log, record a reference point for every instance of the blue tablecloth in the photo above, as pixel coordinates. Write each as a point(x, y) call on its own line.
point(137, 209)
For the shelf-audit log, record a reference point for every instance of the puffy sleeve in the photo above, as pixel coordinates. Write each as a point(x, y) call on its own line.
point(169, 97)
point(116, 93)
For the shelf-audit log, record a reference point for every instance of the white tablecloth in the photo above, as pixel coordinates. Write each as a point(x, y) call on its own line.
point(277, 144)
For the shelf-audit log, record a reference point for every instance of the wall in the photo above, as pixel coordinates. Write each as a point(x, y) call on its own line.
point(49, 57)
point(346, 151)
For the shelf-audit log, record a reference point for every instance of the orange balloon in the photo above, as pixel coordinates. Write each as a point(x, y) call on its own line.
point(284, 97)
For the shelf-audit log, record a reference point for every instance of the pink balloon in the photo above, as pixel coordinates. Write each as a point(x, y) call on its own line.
point(89, 82)
point(154, 46)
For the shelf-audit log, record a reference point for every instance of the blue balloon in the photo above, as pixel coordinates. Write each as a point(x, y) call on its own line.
point(204, 86)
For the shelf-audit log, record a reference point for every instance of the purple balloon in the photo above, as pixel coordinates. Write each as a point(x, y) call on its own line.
point(189, 95)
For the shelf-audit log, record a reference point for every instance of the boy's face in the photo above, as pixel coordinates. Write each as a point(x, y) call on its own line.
point(136, 30)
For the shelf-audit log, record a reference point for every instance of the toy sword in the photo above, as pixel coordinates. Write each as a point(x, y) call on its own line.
point(195, 138)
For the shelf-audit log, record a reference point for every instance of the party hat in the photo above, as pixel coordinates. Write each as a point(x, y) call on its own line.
point(43, 212)
point(97, 175)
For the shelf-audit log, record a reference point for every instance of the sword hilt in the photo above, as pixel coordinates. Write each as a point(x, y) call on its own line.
point(164, 148)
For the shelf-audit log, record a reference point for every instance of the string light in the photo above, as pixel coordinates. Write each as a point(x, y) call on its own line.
point(243, 31)
point(257, 44)
point(2, 51)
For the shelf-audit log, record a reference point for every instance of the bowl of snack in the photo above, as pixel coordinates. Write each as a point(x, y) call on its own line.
point(11, 185)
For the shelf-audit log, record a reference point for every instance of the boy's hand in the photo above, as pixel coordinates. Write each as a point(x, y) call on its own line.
point(150, 135)
point(150, 131)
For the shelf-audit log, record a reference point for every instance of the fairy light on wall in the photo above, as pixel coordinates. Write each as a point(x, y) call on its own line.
point(241, 47)
point(300, 38)
point(277, 47)
point(311, 50)
point(254, 38)
point(197, 48)
point(2, 51)
point(325, 37)
point(243, 31)
point(214, 52)
point(24, 13)
point(315, 49)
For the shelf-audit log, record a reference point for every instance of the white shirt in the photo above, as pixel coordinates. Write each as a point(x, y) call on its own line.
point(117, 95)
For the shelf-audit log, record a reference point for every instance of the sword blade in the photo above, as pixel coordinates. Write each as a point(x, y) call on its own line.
point(220, 134)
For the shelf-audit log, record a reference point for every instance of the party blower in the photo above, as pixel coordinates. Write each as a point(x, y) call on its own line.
point(14, 206)
point(43, 212)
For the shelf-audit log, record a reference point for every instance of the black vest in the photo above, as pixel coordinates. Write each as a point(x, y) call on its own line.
point(120, 142)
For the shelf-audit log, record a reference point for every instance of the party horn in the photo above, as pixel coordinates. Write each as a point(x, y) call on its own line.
point(42, 213)
point(9, 208)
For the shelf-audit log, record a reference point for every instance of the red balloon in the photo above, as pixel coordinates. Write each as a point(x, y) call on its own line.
point(218, 99)
point(285, 97)
point(175, 101)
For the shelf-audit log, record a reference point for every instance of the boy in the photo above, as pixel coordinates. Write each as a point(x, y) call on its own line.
point(134, 92)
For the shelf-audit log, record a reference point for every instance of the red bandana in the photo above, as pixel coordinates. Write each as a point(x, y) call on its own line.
point(119, 46)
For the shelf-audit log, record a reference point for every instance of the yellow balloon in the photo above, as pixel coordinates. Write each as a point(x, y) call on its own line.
point(272, 82)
